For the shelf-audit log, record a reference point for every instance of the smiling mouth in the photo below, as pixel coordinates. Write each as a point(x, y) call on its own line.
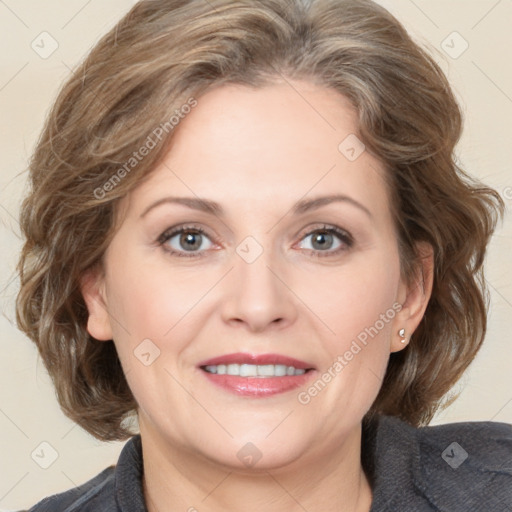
point(264, 371)
point(257, 375)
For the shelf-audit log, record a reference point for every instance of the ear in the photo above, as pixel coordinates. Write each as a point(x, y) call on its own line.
point(414, 296)
point(92, 286)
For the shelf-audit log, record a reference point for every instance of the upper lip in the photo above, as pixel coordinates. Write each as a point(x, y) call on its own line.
point(259, 359)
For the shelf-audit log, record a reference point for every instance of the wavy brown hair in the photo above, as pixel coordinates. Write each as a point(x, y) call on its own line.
point(164, 52)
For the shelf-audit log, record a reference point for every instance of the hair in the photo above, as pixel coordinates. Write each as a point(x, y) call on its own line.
point(131, 91)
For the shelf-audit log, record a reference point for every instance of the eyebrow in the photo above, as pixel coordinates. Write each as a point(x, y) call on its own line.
point(215, 208)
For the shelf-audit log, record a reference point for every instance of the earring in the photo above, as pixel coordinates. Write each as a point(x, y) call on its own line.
point(401, 333)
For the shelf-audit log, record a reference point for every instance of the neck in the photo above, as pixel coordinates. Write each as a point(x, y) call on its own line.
point(179, 480)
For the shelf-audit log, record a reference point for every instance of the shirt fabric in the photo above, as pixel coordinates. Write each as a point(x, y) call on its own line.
point(457, 467)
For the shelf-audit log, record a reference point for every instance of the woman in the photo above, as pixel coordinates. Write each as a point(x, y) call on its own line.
point(331, 292)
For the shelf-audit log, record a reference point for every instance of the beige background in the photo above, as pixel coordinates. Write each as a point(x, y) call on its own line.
point(29, 414)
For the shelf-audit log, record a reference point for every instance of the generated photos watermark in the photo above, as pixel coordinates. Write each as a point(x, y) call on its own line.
point(151, 142)
point(305, 397)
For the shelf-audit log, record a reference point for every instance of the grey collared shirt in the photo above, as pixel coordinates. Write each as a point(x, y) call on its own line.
point(458, 467)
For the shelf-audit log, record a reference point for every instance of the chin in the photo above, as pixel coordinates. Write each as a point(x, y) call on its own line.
point(255, 457)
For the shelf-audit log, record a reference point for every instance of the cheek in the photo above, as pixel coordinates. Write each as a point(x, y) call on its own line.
point(359, 309)
point(352, 300)
point(356, 303)
point(153, 319)
point(167, 306)
point(151, 301)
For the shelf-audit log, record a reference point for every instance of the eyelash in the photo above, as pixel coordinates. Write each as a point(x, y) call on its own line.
point(343, 236)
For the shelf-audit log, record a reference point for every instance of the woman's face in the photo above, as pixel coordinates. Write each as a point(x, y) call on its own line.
point(277, 276)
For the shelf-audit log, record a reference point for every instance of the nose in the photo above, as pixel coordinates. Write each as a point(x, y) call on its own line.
point(258, 296)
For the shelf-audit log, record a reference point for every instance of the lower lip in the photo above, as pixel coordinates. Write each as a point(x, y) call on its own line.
point(258, 386)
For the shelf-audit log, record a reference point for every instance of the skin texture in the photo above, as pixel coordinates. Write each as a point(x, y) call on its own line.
point(256, 152)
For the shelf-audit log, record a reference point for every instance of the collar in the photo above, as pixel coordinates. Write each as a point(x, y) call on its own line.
point(129, 472)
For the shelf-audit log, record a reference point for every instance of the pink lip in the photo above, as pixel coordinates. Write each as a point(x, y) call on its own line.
point(257, 386)
point(261, 359)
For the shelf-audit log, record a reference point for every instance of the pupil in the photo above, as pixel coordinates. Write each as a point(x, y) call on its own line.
point(321, 239)
point(188, 239)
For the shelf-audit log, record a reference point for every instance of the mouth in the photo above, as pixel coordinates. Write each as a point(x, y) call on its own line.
point(252, 370)
point(256, 375)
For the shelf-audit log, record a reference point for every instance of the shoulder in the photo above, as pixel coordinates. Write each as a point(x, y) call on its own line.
point(454, 467)
point(97, 494)
point(116, 488)
point(462, 466)
point(485, 445)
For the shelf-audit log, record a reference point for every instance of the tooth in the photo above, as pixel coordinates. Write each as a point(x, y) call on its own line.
point(248, 370)
point(280, 370)
point(233, 369)
point(266, 370)
point(252, 370)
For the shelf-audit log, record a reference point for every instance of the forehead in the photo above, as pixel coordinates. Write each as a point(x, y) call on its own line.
point(274, 145)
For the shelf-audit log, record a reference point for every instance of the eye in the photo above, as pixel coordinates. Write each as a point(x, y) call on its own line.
point(185, 239)
point(192, 241)
point(328, 241)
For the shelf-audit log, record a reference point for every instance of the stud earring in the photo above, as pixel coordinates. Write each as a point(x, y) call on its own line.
point(401, 333)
